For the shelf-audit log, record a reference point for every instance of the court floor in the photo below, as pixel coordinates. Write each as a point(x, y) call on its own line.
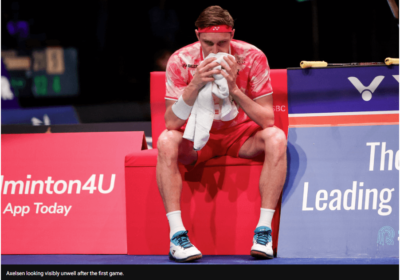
point(163, 260)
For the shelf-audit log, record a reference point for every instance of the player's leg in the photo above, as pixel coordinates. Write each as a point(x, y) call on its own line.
point(171, 149)
point(272, 141)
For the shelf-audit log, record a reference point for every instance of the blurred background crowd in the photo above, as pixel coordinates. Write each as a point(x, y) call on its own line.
point(96, 55)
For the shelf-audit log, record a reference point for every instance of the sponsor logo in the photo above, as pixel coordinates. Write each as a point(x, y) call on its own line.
point(239, 59)
point(173, 252)
point(386, 235)
point(279, 108)
point(189, 65)
point(215, 28)
point(366, 92)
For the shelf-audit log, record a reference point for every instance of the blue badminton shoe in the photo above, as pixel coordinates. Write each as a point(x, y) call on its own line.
point(181, 250)
point(262, 243)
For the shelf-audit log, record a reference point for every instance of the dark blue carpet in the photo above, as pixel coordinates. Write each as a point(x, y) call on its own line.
point(163, 260)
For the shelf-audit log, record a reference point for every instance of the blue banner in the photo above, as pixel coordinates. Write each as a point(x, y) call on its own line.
point(344, 89)
point(341, 197)
point(40, 116)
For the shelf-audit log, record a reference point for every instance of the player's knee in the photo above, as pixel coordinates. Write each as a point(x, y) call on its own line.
point(168, 143)
point(274, 140)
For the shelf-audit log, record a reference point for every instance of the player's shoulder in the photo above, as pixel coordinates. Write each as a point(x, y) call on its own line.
point(187, 53)
point(246, 49)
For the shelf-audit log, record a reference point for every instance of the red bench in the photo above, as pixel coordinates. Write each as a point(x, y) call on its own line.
point(220, 200)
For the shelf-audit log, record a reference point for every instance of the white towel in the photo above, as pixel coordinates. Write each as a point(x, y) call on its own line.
point(202, 116)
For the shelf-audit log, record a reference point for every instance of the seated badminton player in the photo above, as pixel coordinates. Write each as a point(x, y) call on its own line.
point(242, 125)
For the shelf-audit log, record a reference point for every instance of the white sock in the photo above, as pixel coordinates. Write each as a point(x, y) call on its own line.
point(175, 222)
point(265, 217)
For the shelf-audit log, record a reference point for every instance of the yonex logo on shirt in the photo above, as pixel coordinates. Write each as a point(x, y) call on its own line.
point(239, 59)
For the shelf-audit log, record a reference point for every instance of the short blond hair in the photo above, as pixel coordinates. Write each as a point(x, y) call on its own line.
point(214, 15)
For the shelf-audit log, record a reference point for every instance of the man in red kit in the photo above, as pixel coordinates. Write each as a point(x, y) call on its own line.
point(249, 134)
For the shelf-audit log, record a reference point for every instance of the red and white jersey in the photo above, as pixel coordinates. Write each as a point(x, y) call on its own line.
point(253, 78)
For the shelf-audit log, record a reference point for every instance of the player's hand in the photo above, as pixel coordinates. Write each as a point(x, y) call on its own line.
point(204, 72)
point(230, 73)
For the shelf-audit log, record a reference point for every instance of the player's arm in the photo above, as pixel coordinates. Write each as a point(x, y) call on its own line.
point(259, 110)
point(202, 76)
point(172, 122)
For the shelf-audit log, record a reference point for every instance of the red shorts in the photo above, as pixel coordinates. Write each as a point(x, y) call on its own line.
point(227, 141)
